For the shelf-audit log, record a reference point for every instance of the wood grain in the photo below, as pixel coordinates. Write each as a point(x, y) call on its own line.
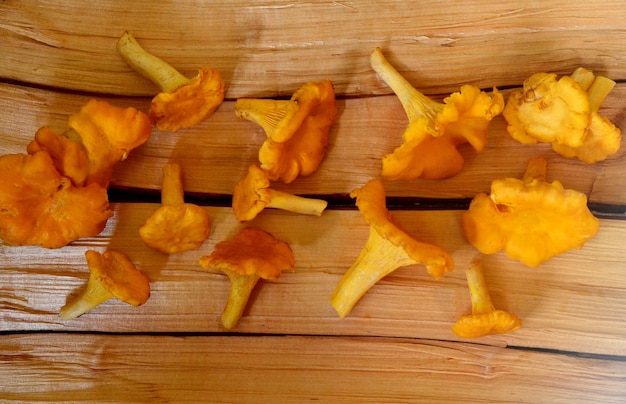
point(237, 369)
point(574, 302)
point(215, 154)
point(268, 48)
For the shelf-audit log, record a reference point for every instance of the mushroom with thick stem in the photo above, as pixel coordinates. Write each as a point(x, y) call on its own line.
point(297, 129)
point(388, 248)
point(176, 226)
point(112, 275)
point(253, 194)
point(435, 129)
point(251, 255)
point(485, 319)
point(182, 102)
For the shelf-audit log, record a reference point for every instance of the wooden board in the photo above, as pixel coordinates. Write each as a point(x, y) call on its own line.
point(396, 345)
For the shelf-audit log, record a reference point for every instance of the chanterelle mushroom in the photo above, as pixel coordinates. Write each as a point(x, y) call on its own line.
point(112, 275)
point(297, 129)
point(176, 226)
point(388, 248)
point(249, 256)
point(530, 219)
point(253, 194)
point(182, 102)
point(485, 319)
point(435, 129)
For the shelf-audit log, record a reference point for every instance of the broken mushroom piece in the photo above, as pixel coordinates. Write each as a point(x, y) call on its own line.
point(530, 219)
point(112, 275)
point(38, 206)
point(297, 129)
point(176, 226)
point(485, 319)
point(564, 112)
point(249, 256)
point(253, 194)
point(435, 129)
point(388, 247)
point(182, 102)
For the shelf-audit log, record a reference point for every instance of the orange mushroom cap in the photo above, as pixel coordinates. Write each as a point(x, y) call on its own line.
point(38, 206)
point(297, 129)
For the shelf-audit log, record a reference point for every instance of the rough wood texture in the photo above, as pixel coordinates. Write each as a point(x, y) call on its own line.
point(396, 345)
point(294, 370)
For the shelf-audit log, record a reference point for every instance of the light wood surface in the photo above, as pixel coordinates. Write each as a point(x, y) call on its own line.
point(396, 345)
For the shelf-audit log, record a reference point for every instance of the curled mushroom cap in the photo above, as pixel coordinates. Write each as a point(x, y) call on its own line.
point(297, 129)
point(388, 247)
point(182, 102)
point(249, 256)
point(253, 194)
point(108, 134)
point(435, 129)
point(530, 219)
point(485, 319)
point(176, 226)
point(38, 206)
point(112, 275)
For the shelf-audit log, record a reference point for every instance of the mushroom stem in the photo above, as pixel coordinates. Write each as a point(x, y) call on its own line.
point(297, 204)
point(536, 171)
point(415, 104)
point(241, 287)
point(377, 259)
point(94, 295)
point(151, 67)
point(172, 193)
point(479, 293)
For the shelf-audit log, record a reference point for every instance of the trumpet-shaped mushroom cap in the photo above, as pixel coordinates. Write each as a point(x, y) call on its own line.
point(530, 219)
point(108, 134)
point(38, 206)
point(297, 130)
point(251, 252)
point(189, 104)
point(371, 201)
point(116, 272)
point(251, 194)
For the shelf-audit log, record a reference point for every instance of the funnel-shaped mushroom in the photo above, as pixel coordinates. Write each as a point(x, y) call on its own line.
point(297, 129)
point(112, 275)
point(253, 194)
point(435, 129)
point(182, 102)
point(176, 226)
point(38, 206)
point(530, 219)
point(485, 319)
point(249, 256)
point(564, 112)
point(387, 248)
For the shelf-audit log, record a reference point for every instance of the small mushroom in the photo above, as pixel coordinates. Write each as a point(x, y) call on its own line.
point(249, 256)
point(182, 102)
point(297, 129)
point(112, 275)
point(485, 319)
point(253, 194)
point(176, 226)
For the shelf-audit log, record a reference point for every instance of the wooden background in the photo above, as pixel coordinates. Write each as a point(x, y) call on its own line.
point(396, 345)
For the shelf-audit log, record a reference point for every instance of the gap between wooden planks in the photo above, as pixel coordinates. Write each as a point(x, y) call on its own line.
point(114, 368)
point(216, 153)
point(575, 302)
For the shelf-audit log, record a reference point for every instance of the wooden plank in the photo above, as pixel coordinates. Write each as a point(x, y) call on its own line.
point(270, 47)
point(575, 302)
point(216, 153)
point(52, 367)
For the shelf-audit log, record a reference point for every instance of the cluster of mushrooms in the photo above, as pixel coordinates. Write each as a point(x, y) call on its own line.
point(40, 190)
